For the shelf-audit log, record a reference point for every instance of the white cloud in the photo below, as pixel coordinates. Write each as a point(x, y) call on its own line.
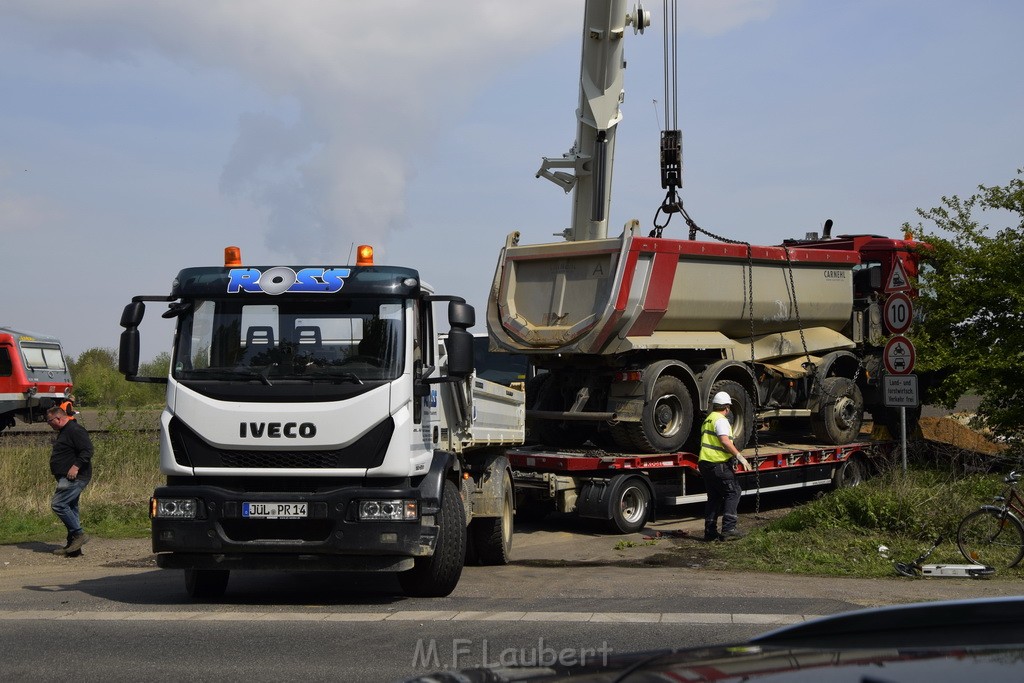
point(372, 82)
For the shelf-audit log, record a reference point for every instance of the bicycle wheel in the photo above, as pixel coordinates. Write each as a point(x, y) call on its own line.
point(991, 537)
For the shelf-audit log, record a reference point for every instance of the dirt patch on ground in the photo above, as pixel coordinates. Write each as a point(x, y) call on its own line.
point(950, 431)
point(98, 552)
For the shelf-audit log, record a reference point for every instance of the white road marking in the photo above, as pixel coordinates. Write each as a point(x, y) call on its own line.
point(412, 615)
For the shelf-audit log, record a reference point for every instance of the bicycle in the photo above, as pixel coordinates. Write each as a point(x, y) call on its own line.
point(994, 534)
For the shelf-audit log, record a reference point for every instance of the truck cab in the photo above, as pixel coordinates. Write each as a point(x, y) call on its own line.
point(314, 421)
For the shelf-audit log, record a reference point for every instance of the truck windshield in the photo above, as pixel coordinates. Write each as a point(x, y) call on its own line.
point(332, 341)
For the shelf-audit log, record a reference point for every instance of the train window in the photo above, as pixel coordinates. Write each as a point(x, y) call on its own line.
point(41, 357)
point(6, 368)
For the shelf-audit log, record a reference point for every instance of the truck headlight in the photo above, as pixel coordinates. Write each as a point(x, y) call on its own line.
point(388, 510)
point(177, 508)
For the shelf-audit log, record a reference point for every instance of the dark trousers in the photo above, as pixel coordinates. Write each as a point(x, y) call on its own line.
point(723, 496)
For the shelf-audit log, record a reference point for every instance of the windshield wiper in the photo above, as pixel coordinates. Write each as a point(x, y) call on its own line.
point(347, 377)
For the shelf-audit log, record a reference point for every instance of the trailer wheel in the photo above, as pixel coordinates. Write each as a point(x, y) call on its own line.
point(667, 418)
point(840, 411)
point(492, 536)
point(206, 584)
point(630, 506)
point(851, 473)
point(741, 416)
point(436, 576)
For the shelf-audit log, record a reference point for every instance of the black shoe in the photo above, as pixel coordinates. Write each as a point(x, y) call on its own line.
point(712, 538)
point(77, 541)
point(732, 535)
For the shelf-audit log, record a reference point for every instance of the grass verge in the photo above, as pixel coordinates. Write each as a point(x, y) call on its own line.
point(126, 469)
point(863, 531)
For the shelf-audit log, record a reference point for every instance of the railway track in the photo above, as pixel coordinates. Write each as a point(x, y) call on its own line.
point(96, 421)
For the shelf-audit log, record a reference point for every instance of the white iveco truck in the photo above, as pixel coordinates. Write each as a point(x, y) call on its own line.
point(316, 418)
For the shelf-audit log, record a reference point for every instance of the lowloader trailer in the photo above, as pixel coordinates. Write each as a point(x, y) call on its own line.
point(626, 489)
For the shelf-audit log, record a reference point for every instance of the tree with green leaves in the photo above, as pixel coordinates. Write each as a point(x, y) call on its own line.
point(98, 383)
point(971, 338)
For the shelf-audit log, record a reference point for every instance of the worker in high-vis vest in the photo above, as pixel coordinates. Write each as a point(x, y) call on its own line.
point(717, 455)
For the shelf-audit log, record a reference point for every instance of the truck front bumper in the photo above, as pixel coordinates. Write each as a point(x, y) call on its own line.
point(329, 536)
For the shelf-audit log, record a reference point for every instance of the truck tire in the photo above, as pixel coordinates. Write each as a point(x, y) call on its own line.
point(840, 411)
point(667, 418)
point(622, 437)
point(492, 536)
point(741, 417)
point(206, 584)
point(630, 507)
point(436, 576)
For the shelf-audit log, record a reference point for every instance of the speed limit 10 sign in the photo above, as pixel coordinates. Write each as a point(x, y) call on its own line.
point(899, 313)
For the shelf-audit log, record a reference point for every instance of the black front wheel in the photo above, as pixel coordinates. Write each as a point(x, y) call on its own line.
point(991, 537)
point(437, 575)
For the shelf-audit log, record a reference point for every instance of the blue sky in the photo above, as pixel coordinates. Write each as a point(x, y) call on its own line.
point(138, 138)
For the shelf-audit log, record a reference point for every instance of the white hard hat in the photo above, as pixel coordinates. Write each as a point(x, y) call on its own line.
point(722, 399)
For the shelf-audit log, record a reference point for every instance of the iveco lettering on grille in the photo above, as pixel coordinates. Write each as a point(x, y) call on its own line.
point(281, 279)
point(276, 430)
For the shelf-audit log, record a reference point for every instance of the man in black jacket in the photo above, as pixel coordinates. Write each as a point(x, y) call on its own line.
point(71, 466)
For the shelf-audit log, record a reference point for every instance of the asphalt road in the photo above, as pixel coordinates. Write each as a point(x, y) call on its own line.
point(570, 590)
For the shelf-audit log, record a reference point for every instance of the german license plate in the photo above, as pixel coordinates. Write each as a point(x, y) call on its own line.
point(274, 510)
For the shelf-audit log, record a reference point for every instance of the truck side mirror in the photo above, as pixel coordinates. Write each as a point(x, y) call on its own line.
point(461, 314)
point(459, 345)
point(132, 314)
point(128, 353)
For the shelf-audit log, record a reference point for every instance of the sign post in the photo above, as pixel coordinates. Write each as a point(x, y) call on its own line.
point(898, 358)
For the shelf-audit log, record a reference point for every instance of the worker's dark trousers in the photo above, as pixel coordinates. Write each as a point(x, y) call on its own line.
point(723, 496)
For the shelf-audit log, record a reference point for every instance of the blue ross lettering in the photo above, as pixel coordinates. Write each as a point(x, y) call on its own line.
point(243, 279)
point(281, 279)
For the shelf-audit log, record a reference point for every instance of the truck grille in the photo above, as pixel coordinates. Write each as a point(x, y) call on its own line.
point(191, 450)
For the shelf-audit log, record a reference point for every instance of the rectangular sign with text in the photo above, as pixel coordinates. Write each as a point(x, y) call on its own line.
point(901, 390)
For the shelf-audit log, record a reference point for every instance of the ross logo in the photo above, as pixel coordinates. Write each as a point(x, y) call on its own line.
point(276, 430)
point(281, 279)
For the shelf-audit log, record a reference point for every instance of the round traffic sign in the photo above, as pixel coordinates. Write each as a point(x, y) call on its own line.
point(898, 356)
point(899, 313)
